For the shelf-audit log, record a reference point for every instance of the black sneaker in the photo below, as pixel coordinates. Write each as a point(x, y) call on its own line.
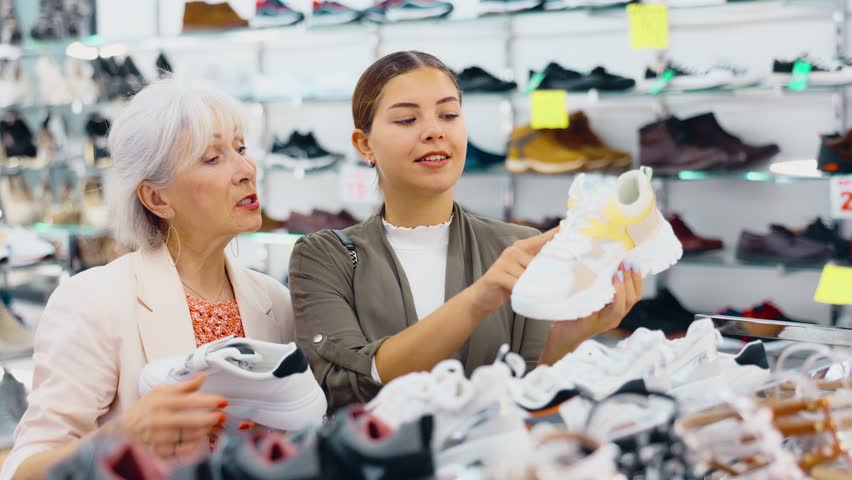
point(822, 233)
point(558, 78)
point(835, 153)
point(164, 67)
point(97, 130)
point(479, 159)
point(17, 137)
point(133, 78)
point(390, 11)
point(477, 80)
point(822, 72)
point(489, 7)
point(301, 152)
point(600, 79)
point(665, 313)
point(49, 25)
point(333, 13)
point(275, 13)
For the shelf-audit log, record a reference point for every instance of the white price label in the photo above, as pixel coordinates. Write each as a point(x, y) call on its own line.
point(359, 185)
point(841, 196)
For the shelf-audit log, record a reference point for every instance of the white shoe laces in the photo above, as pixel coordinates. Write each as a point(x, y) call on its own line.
point(570, 243)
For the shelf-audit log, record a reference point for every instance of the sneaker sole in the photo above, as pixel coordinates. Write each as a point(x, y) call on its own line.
point(293, 415)
point(393, 16)
point(498, 7)
point(653, 256)
point(486, 450)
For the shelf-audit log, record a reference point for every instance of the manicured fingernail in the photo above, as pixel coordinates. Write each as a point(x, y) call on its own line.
point(245, 426)
point(222, 419)
point(222, 404)
point(620, 275)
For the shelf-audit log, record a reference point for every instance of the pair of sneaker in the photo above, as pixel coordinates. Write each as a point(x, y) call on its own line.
point(476, 421)
point(270, 384)
point(607, 224)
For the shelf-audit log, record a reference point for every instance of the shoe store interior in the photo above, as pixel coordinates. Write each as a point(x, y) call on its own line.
point(650, 202)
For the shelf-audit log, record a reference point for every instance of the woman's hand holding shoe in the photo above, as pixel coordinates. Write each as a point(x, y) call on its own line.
point(174, 420)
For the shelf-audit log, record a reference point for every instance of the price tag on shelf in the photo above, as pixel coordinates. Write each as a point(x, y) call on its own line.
point(548, 109)
point(801, 76)
point(358, 185)
point(835, 285)
point(841, 196)
point(649, 26)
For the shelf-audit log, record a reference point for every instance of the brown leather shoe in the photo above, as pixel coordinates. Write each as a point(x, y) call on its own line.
point(539, 150)
point(691, 242)
point(666, 147)
point(580, 136)
point(203, 16)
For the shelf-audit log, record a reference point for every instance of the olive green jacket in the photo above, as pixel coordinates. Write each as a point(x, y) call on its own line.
point(343, 314)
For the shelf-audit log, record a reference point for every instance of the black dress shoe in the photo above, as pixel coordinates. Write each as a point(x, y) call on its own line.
point(164, 67)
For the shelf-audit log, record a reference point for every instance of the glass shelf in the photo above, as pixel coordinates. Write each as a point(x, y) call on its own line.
point(728, 259)
point(793, 171)
point(71, 229)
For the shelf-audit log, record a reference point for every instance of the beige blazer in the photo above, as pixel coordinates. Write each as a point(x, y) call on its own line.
point(102, 326)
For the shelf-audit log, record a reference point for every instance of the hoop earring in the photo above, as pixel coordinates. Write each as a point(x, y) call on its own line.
point(166, 243)
point(235, 241)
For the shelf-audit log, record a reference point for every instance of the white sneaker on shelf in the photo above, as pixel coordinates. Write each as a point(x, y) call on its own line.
point(571, 277)
point(53, 88)
point(475, 419)
point(15, 85)
point(79, 75)
point(25, 247)
point(268, 383)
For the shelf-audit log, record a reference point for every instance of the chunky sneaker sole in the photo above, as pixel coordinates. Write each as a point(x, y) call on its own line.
point(268, 383)
point(572, 275)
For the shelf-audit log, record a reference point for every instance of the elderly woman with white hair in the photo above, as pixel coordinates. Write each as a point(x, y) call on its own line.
point(183, 187)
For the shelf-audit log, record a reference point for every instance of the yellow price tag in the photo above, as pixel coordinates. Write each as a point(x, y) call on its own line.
point(835, 285)
point(548, 109)
point(649, 25)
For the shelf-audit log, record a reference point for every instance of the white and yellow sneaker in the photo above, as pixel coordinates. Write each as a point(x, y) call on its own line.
point(571, 277)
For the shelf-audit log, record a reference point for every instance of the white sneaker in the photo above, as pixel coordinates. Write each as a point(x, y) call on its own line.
point(571, 277)
point(24, 246)
point(562, 454)
point(475, 420)
point(268, 383)
point(79, 74)
point(53, 89)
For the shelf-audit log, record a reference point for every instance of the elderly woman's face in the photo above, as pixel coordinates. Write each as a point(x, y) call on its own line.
point(216, 194)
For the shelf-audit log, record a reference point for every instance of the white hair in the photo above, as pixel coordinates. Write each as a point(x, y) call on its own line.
point(166, 125)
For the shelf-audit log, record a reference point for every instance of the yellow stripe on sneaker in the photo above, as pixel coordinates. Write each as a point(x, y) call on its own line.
point(613, 225)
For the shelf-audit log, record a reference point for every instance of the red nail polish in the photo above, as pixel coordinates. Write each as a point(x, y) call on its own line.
point(245, 426)
point(222, 419)
point(222, 404)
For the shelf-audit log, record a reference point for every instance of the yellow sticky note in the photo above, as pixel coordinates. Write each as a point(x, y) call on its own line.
point(649, 25)
point(548, 109)
point(835, 285)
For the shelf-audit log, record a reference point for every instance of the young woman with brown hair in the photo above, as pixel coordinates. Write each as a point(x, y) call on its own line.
point(431, 280)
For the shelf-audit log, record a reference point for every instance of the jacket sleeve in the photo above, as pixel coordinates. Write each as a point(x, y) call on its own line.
point(533, 336)
point(327, 326)
point(75, 376)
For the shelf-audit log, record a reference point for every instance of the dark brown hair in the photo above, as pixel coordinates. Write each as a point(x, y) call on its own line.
point(373, 80)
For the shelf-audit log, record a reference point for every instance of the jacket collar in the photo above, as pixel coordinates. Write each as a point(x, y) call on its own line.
point(164, 323)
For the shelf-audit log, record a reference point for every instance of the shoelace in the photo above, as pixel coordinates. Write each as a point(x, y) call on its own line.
point(197, 360)
point(413, 395)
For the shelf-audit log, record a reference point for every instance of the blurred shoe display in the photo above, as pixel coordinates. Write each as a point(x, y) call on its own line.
point(783, 246)
point(10, 27)
point(691, 242)
point(490, 7)
point(686, 78)
point(15, 85)
point(477, 80)
point(663, 312)
point(79, 75)
point(200, 15)
point(18, 202)
point(16, 136)
point(97, 130)
point(275, 13)
point(540, 151)
point(580, 136)
point(706, 131)
point(478, 159)
point(390, 11)
point(835, 153)
point(822, 72)
point(667, 146)
point(53, 88)
point(333, 13)
point(558, 78)
point(301, 152)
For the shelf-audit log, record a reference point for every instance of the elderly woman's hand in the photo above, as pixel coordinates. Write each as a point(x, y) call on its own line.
point(174, 420)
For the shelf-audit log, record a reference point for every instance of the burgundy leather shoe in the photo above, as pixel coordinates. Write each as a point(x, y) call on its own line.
point(781, 246)
point(666, 147)
point(691, 242)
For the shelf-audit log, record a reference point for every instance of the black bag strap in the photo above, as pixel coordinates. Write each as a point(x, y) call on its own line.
point(350, 246)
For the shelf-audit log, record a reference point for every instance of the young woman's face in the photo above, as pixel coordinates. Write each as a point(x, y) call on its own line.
point(418, 140)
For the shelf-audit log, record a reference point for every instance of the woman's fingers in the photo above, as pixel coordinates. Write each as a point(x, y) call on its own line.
point(189, 421)
point(534, 244)
point(194, 401)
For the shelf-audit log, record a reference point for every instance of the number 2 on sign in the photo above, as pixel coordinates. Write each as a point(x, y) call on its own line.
point(847, 201)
